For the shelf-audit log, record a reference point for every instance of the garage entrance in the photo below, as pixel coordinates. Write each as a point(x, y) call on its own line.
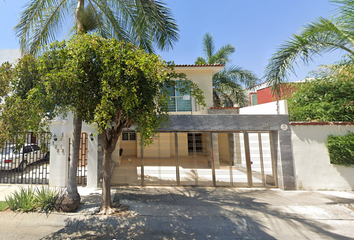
point(241, 159)
point(211, 150)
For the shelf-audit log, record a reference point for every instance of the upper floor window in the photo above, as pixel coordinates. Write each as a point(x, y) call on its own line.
point(178, 101)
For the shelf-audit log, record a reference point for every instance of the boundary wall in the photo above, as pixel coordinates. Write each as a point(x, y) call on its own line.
point(313, 170)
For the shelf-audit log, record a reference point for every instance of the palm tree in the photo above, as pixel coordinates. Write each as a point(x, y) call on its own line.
point(148, 24)
point(319, 37)
point(227, 88)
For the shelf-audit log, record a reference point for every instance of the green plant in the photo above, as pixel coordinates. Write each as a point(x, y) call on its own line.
point(228, 83)
point(26, 200)
point(48, 199)
point(23, 200)
point(341, 149)
point(329, 98)
point(3, 205)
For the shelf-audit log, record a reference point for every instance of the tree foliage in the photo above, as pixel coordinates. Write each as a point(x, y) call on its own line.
point(20, 110)
point(228, 84)
point(110, 84)
point(326, 98)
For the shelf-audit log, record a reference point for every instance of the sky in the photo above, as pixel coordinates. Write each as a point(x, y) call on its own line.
point(254, 27)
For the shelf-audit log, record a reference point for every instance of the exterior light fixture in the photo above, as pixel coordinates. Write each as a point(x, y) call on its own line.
point(91, 137)
point(55, 137)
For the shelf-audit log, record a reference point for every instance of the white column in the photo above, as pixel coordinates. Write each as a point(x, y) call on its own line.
point(58, 163)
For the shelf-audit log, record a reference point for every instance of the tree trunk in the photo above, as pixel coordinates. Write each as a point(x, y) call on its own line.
point(79, 10)
point(110, 138)
point(71, 198)
point(106, 203)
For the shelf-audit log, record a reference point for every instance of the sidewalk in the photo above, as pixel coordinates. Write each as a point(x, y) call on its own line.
point(194, 213)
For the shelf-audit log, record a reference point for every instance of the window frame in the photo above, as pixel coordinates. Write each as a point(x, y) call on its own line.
point(131, 136)
point(176, 96)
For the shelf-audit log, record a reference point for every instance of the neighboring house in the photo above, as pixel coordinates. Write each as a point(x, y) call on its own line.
point(262, 93)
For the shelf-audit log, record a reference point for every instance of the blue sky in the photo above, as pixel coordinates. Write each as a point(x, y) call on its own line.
point(255, 27)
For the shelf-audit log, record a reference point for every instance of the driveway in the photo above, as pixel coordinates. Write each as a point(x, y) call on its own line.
point(195, 213)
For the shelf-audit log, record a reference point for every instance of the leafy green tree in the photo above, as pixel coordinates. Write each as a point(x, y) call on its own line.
point(329, 97)
point(19, 111)
point(111, 85)
point(147, 24)
point(316, 38)
point(227, 84)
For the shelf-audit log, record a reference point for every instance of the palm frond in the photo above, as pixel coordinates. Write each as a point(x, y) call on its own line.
point(153, 22)
point(227, 85)
point(200, 60)
point(110, 23)
point(40, 23)
point(208, 47)
point(230, 94)
point(236, 74)
point(317, 38)
point(223, 54)
point(345, 11)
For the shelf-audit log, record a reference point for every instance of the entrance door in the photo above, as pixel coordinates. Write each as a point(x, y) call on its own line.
point(195, 143)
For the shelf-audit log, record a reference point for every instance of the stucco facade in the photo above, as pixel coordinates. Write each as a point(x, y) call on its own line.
point(313, 169)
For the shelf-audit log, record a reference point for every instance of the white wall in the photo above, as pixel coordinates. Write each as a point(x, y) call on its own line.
point(312, 164)
point(59, 153)
point(203, 77)
point(266, 108)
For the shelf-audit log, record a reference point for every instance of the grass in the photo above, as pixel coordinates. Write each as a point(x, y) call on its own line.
point(3, 205)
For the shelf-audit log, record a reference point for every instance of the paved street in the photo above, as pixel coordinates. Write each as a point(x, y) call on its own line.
point(194, 213)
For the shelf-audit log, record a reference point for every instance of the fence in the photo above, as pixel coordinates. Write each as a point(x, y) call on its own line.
point(81, 174)
point(27, 165)
point(244, 159)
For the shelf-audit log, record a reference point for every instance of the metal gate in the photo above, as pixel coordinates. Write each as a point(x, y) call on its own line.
point(81, 174)
point(27, 165)
point(242, 159)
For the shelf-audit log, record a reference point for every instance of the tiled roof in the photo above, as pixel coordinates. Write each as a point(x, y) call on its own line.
point(200, 65)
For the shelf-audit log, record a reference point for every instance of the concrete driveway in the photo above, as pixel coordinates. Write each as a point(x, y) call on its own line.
point(195, 213)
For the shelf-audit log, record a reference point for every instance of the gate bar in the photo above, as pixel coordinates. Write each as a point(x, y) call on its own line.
point(177, 160)
point(248, 159)
point(261, 157)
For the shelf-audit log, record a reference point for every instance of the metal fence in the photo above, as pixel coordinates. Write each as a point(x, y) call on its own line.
point(81, 174)
point(27, 165)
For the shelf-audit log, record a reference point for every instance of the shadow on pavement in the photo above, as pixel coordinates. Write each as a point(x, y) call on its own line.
point(200, 213)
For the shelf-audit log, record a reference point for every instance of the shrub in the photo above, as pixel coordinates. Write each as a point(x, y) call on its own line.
point(27, 200)
point(24, 200)
point(48, 199)
point(329, 98)
point(341, 149)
